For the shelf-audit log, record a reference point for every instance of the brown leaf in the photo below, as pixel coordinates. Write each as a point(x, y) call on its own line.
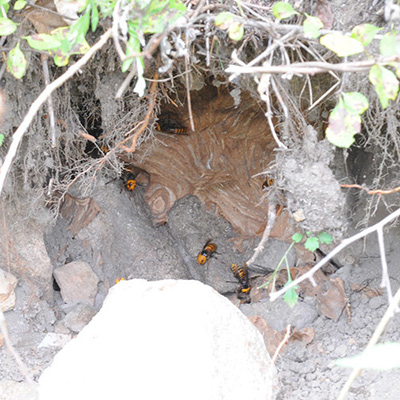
point(79, 212)
point(272, 338)
point(324, 13)
point(305, 335)
point(332, 301)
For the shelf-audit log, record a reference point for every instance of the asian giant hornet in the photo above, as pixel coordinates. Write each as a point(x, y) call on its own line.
point(242, 276)
point(129, 178)
point(267, 183)
point(167, 124)
point(208, 250)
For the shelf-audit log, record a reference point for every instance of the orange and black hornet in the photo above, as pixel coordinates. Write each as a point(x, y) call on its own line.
point(267, 183)
point(242, 276)
point(208, 250)
point(128, 177)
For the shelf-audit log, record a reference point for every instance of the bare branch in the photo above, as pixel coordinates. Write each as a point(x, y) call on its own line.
point(311, 67)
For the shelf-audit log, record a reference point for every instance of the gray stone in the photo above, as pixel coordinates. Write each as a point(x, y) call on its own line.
point(279, 315)
point(79, 317)
point(163, 340)
point(77, 282)
point(28, 254)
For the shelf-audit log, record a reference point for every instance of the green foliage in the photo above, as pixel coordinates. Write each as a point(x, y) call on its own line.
point(383, 356)
point(345, 120)
point(342, 45)
point(1, 139)
point(282, 10)
point(16, 62)
point(142, 17)
point(385, 83)
point(365, 33)
point(297, 237)
point(290, 295)
point(228, 21)
point(7, 26)
point(313, 242)
point(19, 5)
point(312, 26)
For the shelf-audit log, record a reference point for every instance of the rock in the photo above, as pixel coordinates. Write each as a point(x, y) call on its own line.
point(162, 340)
point(11, 390)
point(79, 317)
point(55, 340)
point(8, 282)
point(279, 315)
point(29, 254)
point(77, 282)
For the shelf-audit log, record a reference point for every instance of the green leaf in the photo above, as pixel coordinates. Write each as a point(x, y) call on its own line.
point(312, 243)
point(325, 237)
point(390, 44)
point(385, 83)
point(1, 139)
point(236, 31)
point(282, 10)
point(160, 13)
point(7, 27)
point(4, 2)
point(77, 31)
point(382, 356)
point(16, 62)
point(19, 5)
point(42, 41)
point(297, 237)
point(291, 295)
point(132, 46)
point(341, 45)
point(312, 26)
point(355, 102)
point(343, 125)
point(224, 19)
point(365, 33)
point(94, 18)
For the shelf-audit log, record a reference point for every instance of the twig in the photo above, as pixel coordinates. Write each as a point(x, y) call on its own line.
point(267, 231)
point(115, 34)
point(126, 83)
point(374, 339)
point(145, 122)
point(50, 108)
point(19, 133)
point(376, 191)
point(385, 274)
point(311, 67)
point(282, 343)
point(263, 90)
point(187, 79)
point(336, 250)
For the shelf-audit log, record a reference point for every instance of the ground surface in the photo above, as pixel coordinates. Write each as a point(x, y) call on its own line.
point(305, 371)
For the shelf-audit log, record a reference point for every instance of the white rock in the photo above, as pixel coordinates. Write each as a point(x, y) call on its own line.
point(163, 340)
point(55, 340)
